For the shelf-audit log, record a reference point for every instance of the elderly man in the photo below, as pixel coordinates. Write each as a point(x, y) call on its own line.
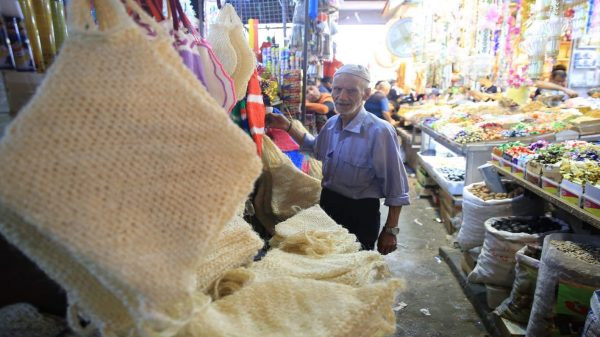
point(361, 162)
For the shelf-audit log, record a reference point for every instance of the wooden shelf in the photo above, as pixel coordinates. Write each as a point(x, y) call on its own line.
point(579, 213)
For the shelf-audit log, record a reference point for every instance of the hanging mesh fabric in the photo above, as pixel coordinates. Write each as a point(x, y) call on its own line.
point(313, 232)
point(356, 269)
point(119, 162)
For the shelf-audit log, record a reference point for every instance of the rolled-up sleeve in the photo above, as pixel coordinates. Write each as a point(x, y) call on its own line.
point(389, 169)
point(308, 144)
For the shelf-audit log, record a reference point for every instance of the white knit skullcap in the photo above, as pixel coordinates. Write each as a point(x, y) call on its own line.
point(355, 70)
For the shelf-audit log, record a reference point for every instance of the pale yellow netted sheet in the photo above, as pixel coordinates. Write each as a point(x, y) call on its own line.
point(286, 306)
point(236, 246)
point(132, 176)
point(313, 232)
point(356, 269)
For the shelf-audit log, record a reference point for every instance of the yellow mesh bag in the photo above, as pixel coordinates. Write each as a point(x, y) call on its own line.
point(122, 159)
point(313, 232)
point(356, 269)
point(218, 36)
point(286, 306)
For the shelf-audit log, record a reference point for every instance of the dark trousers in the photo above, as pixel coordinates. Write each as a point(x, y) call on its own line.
point(360, 216)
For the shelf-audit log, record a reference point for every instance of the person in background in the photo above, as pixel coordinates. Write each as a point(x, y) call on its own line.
point(321, 104)
point(361, 162)
point(378, 104)
point(325, 86)
point(556, 86)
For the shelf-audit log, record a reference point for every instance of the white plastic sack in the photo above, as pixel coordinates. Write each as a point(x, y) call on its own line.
point(592, 323)
point(476, 211)
point(496, 263)
point(555, 266)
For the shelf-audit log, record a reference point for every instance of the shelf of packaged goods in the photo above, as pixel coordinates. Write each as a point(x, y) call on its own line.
point(577, 212)
point(441, 182)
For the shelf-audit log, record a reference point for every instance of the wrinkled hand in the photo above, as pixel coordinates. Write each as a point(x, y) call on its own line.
point(276, 121)
point(571, 93)
point(386, 243)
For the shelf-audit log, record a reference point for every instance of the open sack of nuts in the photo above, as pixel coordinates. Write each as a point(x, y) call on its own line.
point(481, 204)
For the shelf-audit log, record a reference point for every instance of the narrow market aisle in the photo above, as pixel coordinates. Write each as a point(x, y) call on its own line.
point(430, 284)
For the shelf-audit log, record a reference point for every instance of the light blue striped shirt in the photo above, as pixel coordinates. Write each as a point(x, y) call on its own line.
point(361, 160)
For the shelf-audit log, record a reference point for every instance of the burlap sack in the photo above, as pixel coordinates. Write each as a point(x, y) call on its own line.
point(355, 269)
point(119, 162)
point(283, 190)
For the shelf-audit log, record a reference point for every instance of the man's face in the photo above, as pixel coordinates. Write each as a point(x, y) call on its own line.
point(327, 85)
point(312, 93)
point(348, 93)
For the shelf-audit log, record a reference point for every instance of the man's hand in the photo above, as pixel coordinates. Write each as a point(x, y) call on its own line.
point(571, 93)
point(386, 243)
point(277, 121)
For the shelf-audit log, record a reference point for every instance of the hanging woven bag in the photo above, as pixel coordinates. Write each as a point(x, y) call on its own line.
point(112, 166)
point(198, 56)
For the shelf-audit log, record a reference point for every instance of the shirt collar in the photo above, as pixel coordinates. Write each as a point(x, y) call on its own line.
point(355, 124)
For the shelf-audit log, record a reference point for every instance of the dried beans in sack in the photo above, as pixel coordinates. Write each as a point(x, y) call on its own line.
point(496, 263)
point(570, 271)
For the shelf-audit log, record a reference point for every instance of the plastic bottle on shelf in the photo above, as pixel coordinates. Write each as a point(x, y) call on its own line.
point(43, 16)
point(7, 60)
point(33, 35)
point(59, 22)
point(23, 61)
